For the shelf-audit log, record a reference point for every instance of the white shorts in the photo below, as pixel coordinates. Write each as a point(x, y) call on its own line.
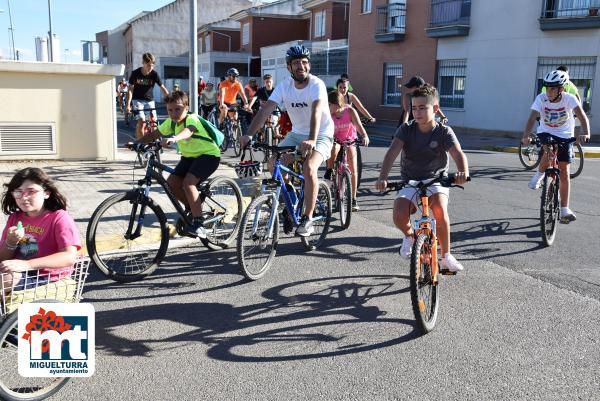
point(412, 194)
point(323, 146)
point(142, 105)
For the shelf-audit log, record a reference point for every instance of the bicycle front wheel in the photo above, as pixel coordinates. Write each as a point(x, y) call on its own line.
point(549, 209)
point(344, 199)
point(127, 237)
point(237, 140)
point(530, 155)
point(321, 218)
point(359, 165)
point(224, 204)
point(12, 386)
point(424, 294)
point(255, 250)
point(577, 161)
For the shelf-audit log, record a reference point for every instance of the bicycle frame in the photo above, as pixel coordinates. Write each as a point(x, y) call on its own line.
point(426, 225)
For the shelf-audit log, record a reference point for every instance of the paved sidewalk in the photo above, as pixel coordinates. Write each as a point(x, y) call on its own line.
point(382, 133)
point(87, 183)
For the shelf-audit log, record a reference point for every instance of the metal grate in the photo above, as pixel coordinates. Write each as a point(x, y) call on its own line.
point(570, 8)
point(581, 73)
point(392, 82)
point(27, 138)
point(452, 76)
point(450, 12)
point(329, 61)
point(391, 18)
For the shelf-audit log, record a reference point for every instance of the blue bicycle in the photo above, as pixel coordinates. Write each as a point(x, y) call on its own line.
point(281, 199)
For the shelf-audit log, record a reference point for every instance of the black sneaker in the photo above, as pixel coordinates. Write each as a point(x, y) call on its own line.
point(197, 228)
point(327, 175)
point(288, 223)
point(355, 207)
point(305, 228)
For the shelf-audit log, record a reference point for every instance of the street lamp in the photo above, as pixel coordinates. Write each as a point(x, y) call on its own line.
point(51, 47)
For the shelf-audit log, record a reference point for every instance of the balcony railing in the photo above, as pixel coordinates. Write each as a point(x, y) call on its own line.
point(391, 22)
point(449, 18)
point(570, 14)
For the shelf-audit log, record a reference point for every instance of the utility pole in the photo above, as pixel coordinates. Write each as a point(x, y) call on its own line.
point(193, 56)
point(12, 35)
point(51, 45)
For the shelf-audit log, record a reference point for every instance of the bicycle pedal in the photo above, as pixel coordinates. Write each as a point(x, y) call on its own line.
point(447, 272)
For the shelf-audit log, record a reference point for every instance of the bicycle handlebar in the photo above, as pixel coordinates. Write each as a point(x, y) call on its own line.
point(348, 143)
point(144, 147)
point(444, 180)
point(275, 149)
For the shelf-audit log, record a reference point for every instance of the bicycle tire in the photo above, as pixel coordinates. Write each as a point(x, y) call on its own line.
point(345, 199)
point(226, 138)
point(321, 218)
point(225, 191)
point(424, 295)
point(13, 387)
point(359, 165)
point(122, 259)
point(255, 265)
point(269, 141)
point(530, 155)
point(549, 209)
point(237, 140)
point(577, 161)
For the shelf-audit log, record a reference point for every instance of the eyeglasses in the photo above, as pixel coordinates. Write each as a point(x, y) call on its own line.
point(18, 194)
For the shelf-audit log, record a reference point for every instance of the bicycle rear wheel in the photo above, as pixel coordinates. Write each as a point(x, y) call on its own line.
point(255, 250)
point(549, 209)
point(225, 202)
point(344, 200)
point(12, 385)
point(577, 161)
point(321, 218)
point(117, 249)
point(530, 155)
point(424, 294)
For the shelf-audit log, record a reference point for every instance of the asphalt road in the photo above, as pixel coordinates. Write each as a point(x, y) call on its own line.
point(520, 323)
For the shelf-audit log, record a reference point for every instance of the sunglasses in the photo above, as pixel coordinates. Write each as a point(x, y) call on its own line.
point(18, 194)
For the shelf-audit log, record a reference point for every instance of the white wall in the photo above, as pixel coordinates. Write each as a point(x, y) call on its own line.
point(502, 50)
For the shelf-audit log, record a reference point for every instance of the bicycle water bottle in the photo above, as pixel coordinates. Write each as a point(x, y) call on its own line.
point(292, 192)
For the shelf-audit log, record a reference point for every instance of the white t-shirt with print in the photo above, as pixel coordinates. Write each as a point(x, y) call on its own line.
point(556, 118)
point(298, 103)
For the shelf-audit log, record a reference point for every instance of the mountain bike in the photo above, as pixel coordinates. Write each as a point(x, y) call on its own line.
point(213, 115)
point(530, 155)
point(233, 133)
point(550, 199)
point(67, 289)
point(266, 136)
point(128, 236)
point(150, 124)
point(424, 261)
point(259, 233)
point(341, 178)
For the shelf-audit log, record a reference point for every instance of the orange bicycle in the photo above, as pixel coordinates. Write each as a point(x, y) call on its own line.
point(424, 266)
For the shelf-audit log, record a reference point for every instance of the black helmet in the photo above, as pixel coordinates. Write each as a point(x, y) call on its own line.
point(233, 71)
point(296, 52)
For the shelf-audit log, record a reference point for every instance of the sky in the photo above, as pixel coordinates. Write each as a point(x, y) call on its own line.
point(72, 20)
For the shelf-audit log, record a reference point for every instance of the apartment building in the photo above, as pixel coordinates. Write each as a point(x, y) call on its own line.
point(387, 45)
point(491, 60)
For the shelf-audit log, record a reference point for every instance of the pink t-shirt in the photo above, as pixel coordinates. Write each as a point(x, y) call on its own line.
point(45, 235)
point(344, 129)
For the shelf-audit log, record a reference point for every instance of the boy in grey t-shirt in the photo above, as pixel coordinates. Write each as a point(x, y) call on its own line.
point(425, 145)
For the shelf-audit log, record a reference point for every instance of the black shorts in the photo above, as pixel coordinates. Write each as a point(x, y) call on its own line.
point(565, 150)
point(200, 167)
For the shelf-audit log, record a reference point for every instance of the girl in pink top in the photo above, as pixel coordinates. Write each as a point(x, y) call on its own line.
point(40, 240)
point(347, 123)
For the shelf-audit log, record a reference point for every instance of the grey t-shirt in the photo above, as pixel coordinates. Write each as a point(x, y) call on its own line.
point(424, 155)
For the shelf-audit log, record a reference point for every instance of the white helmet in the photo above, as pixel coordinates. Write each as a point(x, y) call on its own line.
point(556, 78)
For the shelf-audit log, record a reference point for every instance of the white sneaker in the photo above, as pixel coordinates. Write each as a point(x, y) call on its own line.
point(305, 228)
point(406, 249)
point(536, 181)
point(450, 263)
point(567, 215)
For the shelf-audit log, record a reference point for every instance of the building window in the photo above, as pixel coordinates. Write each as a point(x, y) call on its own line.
point(319, 24)
point(581, 73)
point(245, 33)
point(366, 6)
point(451, 83)
point(392, 83)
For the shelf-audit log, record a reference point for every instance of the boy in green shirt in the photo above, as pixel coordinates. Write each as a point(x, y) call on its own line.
point(200, 155)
